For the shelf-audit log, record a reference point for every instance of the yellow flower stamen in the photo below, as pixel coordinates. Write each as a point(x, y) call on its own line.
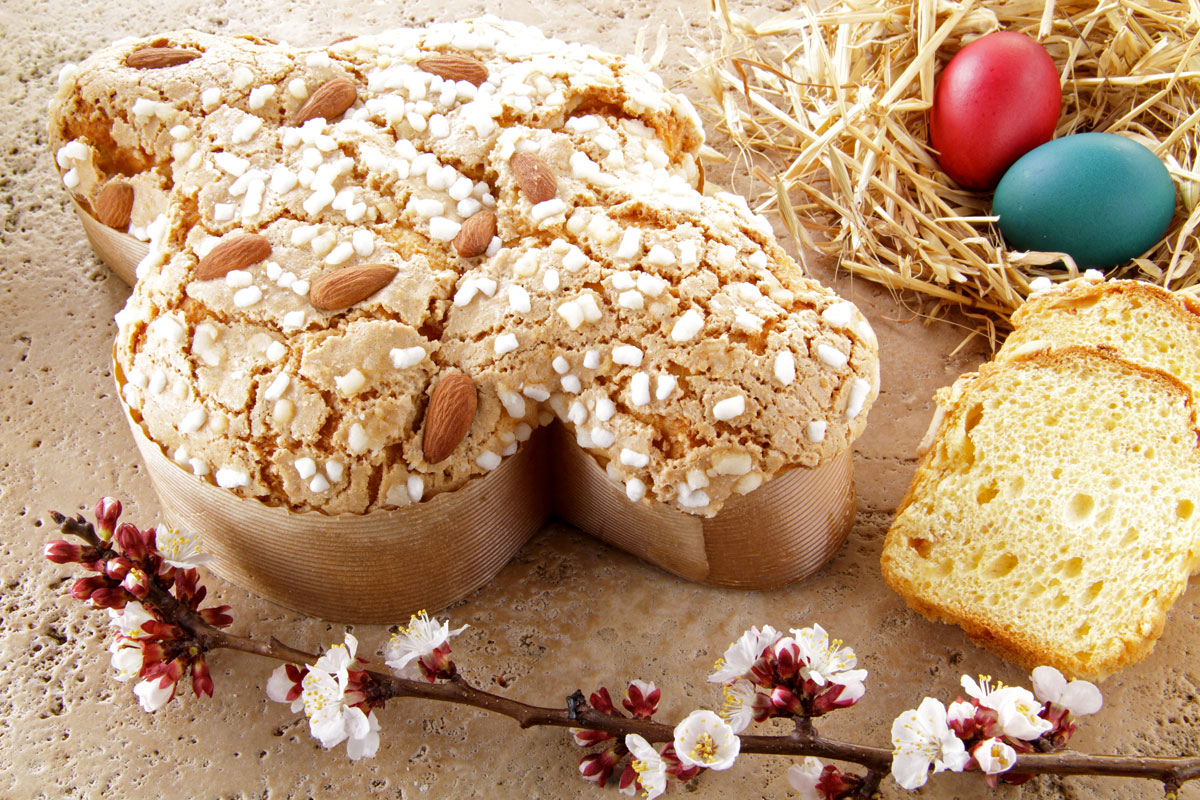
point(705, 750)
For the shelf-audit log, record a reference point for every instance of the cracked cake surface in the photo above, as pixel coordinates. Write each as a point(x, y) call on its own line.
point(663, 326)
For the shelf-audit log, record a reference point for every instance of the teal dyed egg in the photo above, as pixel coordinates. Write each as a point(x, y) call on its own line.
point(1100, 197)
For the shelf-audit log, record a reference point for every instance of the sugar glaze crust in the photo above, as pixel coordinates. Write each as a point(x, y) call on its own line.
point(665, 328)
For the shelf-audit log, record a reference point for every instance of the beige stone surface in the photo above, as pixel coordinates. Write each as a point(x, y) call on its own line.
point(567, 613)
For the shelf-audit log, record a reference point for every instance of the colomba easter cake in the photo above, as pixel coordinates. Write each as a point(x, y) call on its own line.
point(374, 270)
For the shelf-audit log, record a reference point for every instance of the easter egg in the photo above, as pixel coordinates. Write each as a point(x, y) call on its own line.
point(996, 100)
point(1102, 198)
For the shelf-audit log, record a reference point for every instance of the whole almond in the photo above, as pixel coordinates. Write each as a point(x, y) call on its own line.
point(159, 57)
point(236, 253)
point(476, 234)
point(114, 204)
point(454, 67)
point(345, 287)
point(449, 416)
point(329, 101)
point(535, 177)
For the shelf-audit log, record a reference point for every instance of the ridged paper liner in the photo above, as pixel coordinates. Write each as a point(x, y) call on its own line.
point(371, 568)
point(381, 566)
point(782, 531)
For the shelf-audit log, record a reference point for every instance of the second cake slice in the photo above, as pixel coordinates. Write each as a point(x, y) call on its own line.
point(1055, 516)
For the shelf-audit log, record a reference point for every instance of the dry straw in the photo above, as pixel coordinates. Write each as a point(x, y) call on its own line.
point(836, 101)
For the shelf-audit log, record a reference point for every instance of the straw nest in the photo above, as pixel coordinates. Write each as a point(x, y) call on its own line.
point(836, 103)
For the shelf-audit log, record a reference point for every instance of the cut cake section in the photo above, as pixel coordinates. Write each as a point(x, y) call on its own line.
point(1140, 321)
point(1054, 518)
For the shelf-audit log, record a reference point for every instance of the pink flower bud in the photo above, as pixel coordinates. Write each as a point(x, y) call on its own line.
point(762, 671)
point(117, 568)
point(602, 702)
point(598, 767)
point(150, 536)
point(675, 766)
point(217, 616)
point(201, 679)
point(130, 541)
point(586, 737)
point(83, 588)
point(107, 511)
point(641, 699)
point(788, 661)
point(786, 702)
point(437, 664)
point(834, 783)
point(136, 583)
point(188, 588)
point(109, 598)
point(60, 551)
point(152, 656)
point(837, 696)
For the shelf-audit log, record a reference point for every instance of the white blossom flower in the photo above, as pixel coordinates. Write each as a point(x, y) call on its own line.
point(960, 711)
point(180, 549)
point(126, 659)
point(994, 756)
point(129, 620)
point(648, 764)
point(741, 655)
point(364, 734)
point(705, 740)
point(1015, 706)
point(827, 662)
point(338, 658)
point(1079, 697)
point(154, 693)
point(738, 710)
point(804, 777)
point(331, 719)
point(418, 639)
point(279, 686)
point(921, 737)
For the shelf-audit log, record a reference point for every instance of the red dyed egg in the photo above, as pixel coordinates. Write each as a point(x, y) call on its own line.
point(996, 100)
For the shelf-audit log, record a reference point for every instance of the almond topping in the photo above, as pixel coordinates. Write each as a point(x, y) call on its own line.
point(454, 67)
point(345, 287)
point(236, 253)
point(476, 234)
point(159, 57)
point(535, 177)
point(449, 416)
point(114, 204)
point(329, 101)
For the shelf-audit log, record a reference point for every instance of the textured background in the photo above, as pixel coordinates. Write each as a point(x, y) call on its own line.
point(568, 612)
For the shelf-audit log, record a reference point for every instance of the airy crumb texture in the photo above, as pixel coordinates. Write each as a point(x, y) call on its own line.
point(665, 327)
point(1055, 517)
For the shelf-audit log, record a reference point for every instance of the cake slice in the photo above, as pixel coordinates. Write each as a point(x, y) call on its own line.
point(1054, 517)
point(1140, 321)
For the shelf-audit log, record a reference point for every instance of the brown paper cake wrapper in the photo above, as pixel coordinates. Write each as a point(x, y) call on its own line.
point(382, 566)
point(371, 568)
point(781, 532)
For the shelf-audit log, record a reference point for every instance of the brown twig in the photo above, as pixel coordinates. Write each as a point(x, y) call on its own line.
point(803, 740)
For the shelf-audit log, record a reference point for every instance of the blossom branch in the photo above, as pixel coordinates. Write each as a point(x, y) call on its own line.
point(148, 581)
point(1170, 771)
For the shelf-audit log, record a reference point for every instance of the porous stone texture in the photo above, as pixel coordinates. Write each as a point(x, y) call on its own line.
point(567, 613)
